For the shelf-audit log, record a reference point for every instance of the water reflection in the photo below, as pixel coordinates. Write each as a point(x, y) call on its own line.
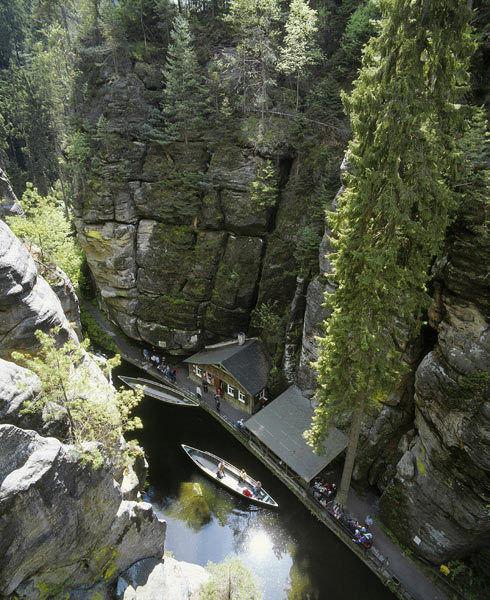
point(259, 543)
point(197, 503)
point(300, 585)
point(207, 523)
point(290, 554)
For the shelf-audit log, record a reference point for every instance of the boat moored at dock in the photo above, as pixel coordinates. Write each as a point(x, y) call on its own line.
point(232, 477)
point(159, 391)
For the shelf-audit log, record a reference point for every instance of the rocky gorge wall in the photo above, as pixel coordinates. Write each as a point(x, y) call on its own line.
point(427, 450)
point(179, 250)
point(181, 254)
point(67, 529)
point(438, 500)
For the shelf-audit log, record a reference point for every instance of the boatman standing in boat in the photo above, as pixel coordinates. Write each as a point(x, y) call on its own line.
point(221, 471)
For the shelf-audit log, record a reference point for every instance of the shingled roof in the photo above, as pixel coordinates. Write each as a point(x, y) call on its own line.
point(280, 426)
point(247, 362)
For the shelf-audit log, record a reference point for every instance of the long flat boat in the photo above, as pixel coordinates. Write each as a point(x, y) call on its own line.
point(208, 463)
point(160, 391)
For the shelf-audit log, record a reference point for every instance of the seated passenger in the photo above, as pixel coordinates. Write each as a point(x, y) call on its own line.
point(257, 488)
point(247, 492)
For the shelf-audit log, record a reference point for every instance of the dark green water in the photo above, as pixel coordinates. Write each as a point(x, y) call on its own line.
point(290, 552)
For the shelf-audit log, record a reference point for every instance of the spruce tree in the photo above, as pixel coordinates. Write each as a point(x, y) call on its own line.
point(392, 217)
point(299, 49)
point(185, 103)
point(255, 25)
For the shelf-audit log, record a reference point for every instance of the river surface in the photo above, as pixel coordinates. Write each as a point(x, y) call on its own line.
point(291, 553)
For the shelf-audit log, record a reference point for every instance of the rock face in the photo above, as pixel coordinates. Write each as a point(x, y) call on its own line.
point(9, 205)
point(165, 579)
point(179, 250)
point(27, 302)
point(65, 527)
point(316, 313)
point(441, 489)
point(64, 524)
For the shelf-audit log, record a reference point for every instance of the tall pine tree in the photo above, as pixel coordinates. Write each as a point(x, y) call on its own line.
point(393, 215)
point(255, 25)
point(299, 49)
point(185, 103)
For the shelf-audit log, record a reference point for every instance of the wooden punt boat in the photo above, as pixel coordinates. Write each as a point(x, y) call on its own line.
point(160, 391)
point(208, 463)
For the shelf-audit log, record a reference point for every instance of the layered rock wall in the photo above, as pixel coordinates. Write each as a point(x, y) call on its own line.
point(428, 448)
point(179, 250)
point(65, 526)
point(438, 501)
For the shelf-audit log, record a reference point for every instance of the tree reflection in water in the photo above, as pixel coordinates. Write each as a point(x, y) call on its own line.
point(300, 585)
point(261, 524)
point(198, 503)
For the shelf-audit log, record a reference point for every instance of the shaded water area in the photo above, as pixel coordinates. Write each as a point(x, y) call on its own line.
point(291, 553)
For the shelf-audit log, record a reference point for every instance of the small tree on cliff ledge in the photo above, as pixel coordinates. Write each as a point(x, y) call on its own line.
point(393, 215)
point(185, 104)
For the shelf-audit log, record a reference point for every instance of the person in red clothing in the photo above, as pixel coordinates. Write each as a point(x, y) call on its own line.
point(247, 492)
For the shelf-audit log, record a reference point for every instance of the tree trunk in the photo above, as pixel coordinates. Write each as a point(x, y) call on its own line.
point(350, 457)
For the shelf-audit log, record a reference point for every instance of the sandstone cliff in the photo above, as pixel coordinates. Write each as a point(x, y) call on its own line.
point(65, 526)
point(179, 250)
point(428, 448)
point(438, 501)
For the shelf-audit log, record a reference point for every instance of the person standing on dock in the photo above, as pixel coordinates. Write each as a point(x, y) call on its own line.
point(218, 402)
point(199, 392)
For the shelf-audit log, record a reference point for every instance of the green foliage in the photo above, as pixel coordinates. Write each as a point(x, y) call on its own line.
point(265, 188)
point(95, 333)
point(230, 580)
point(46, 226)
point(35, 82)
point(95, 413)
point(255, 25)
point(469, 582)
point(392, 217)
point(185, 102)
point(299, 42)
point(307, 250)
point(359, 28)
point(265, 317)
point(13, 29)
point(299, 48)
point(270, 325)
point(473, 177)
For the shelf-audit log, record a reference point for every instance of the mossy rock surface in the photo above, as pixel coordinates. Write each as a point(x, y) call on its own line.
point(237, 277)
point(170, 310)
point(224, 322)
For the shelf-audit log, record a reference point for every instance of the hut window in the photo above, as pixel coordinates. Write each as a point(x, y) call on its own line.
point(241, 396)
point(198, 371)
point(262, 395)
point(230, 390)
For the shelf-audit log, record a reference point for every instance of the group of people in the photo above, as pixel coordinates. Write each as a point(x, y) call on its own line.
point(242, 478)
point(165, 369)
point(361, 534)
point(323, 491)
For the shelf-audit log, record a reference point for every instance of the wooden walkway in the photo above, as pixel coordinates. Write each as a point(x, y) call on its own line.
point(407, 577)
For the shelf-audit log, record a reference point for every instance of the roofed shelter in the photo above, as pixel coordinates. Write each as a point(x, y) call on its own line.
point(279, 427)
point(237, 369)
